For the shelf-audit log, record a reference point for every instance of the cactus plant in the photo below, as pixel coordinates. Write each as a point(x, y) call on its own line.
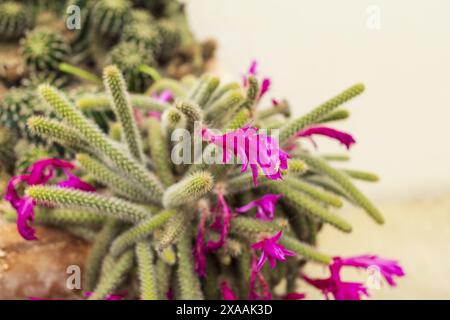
point(200, 207)
point(15, 19)
point(44, 49)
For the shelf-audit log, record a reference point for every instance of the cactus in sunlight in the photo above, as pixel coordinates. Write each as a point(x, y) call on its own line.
point(181, 216)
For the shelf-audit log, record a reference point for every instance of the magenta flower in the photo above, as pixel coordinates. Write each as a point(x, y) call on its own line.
point(252, 148)
point(258, 286)
point(253, 71)
point(271, 251)
point(388, 268)
point(41, 172)
point(341, 290)
point(226, 291)
point(221, 224)
point(338, 289)
point(265, 206)
point(294, 296)
point(164, 96)
point(343, 137)
point(199, 250)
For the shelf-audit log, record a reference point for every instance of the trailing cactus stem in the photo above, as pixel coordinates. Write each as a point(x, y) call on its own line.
point(116, 87)
point(304, 250)
point(188, 190)
point(94, 202)
point(342, 180)
point(78, 72)
point(98, 251)
point(113, 275)
point(100, 142)
point(362, 175)
point(146, 270)
point(313, 192)
point(291, 128)
point(140, 231)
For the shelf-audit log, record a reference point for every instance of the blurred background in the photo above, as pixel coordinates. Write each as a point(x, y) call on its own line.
point(400, 50)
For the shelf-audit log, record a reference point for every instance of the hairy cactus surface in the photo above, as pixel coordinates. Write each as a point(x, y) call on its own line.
point(14, 19)
point(170, 192)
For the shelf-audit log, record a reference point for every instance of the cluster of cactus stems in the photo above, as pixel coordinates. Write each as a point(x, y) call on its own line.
point(147, 214)
point(37, 46)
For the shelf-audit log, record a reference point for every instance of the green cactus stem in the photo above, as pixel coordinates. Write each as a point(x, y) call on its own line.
point(146, 271)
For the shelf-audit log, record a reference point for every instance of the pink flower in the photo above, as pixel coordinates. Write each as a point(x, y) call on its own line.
point(338, 289)
point(258, 286)
point(252, 148)
point(294, 296)
point(271, 251)
point(275, 102)
point(226, 291)
point(253, 71)
point(265, 206)
point(164, 96)
point(388, 268)
point(221, 224)
point(199, 250)
point(41, 172)
point(341, 290)
point(343, 137)
point(154, 114)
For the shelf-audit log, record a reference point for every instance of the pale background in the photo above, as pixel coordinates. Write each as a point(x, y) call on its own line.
point(313, 50)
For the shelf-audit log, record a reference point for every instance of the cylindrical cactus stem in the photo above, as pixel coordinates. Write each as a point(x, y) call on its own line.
point(163, 274)
point(59, 132)
point(282, 108)
point(343, 181)
point(191, 110)
point(91, 201)
point(336, 157)
point(98, 251)
point(300, 200)
point(313, 192)
point(92, 133)
point(178, 89)
point(113, 180)
point(241, 118)
point(291, 128)
point(304, 250)
point(60, 217)
point(173, 230)
point(102, 102)
point(252, 93)
point(221, 91)
point(159, 150)
point(187, 278)
point(116, 88)
point(221, 111)
point(140, 231)
point(335, 116)
point(248, 227)
point(208, 85)
point(172, 119)
point(114, 272)
point(188, 190)
point(362, 175)
point(78, 72)
point(15, 19)
point(146, 270)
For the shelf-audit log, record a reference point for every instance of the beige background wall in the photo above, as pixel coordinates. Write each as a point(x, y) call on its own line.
point(314, 49)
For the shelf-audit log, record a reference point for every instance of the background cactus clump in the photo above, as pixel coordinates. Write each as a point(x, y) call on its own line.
point(183, 225)
point(14, 20)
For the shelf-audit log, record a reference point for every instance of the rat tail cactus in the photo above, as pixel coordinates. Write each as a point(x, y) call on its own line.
point(170, 191)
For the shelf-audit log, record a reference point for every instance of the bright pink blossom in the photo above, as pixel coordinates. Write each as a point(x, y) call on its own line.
point(342, 290)
point(294, 296)
point(226, 291)
point(164, 96)
point(221, 222)
point(343, 137)
point(40, 172)
point(252, 148)
point(253, 71)
point(265, 206)
point(271, 251)
point(199, 250)
point(258, 286)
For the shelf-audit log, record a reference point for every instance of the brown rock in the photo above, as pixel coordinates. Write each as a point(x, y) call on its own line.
point(38, 268)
